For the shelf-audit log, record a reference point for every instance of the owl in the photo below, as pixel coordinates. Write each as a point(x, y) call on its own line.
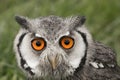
point(57, 48)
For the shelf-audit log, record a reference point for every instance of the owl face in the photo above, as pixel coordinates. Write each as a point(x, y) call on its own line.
point(50, 46)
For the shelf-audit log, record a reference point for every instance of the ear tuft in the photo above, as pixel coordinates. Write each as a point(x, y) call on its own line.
point(22, 21)
point(79, 21)
point(83, 19)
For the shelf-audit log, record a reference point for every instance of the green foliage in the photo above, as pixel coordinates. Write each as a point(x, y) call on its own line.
point(103, 20)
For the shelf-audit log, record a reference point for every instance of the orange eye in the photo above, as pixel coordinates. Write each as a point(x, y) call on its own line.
point(38, 44)
point(67, 42)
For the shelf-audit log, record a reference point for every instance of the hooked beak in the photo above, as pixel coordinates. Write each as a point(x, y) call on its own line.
point(53, 61)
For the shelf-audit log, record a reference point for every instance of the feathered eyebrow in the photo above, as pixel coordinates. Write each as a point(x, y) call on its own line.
point(67, 33)
point(37, 35)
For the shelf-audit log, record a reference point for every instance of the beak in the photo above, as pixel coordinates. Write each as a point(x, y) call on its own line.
point(53, 61)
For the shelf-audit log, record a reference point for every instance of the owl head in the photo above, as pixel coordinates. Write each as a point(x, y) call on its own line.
point(51, 46)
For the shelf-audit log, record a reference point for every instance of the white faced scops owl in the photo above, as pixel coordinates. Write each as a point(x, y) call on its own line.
point(55, 48)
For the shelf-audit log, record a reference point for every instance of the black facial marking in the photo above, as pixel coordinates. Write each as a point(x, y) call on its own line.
point(84, 58)
point(84, 37)
point(22, 61)
point(20, 40)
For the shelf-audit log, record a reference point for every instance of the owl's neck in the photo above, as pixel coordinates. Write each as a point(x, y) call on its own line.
point(79, 71)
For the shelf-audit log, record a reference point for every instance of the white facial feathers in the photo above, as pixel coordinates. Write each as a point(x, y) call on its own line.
point(52, 31)
point(78, 53)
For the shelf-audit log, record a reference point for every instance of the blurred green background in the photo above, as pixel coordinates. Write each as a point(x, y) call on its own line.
point(103, 21)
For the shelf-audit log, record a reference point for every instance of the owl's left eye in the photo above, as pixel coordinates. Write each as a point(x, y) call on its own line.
point(66, 42)
point(38, 44)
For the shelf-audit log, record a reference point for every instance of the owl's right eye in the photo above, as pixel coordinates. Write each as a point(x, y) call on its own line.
point(38, 44)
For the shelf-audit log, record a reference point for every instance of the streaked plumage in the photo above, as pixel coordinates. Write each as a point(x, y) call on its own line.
point(62, 49)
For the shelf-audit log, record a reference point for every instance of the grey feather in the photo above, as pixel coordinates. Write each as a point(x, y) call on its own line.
point(85, 60)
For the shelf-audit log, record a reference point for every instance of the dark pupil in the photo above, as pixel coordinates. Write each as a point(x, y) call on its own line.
point(38, 43)
point(67, 42)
